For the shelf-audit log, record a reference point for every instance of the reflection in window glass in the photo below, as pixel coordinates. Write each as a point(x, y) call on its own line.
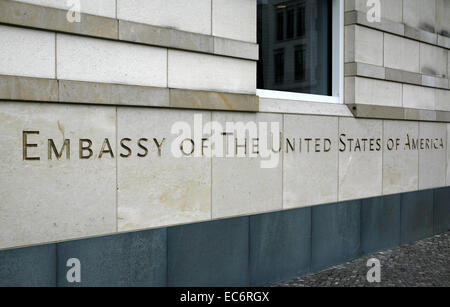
point(280, 26)
point(279, 66)
point(301, 21)
point(295, 46)
point(300, 67)
point(290, 24)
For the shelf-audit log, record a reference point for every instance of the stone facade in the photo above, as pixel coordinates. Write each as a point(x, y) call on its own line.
point(404, 54)
point(90, 111)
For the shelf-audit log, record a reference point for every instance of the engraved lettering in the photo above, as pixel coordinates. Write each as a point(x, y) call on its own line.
point(255, 146)
point(26, 145)
point(52, 148)
point(142, 155)
point(128, 149)
point(290, 145)
point(107, 150)
point(327, 145)
point(342, 149)
point(237, 146)
point(159, 145)
point(192, 145)
point(84, 148)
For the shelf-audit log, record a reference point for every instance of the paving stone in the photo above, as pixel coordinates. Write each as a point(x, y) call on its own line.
point(421, 264)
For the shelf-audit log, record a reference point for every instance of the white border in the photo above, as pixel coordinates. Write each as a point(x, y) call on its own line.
point(337, 66)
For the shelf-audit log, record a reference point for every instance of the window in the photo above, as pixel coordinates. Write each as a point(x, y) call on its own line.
point(290, 24)
point(300, 59)
point(279, 66)
point(280, 25)
point(301, 21)
point(298, 47)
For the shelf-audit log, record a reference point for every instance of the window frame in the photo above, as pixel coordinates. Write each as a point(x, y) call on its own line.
point(337, 71)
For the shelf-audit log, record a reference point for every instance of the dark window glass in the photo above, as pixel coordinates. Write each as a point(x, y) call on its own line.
point(279, 65)
point(290, 24)
point(301, 21)
point(295, 46)
point(300, 59)
point(280, 25)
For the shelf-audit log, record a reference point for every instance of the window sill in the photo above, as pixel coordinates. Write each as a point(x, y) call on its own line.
point(297, 96)
point(303, 106)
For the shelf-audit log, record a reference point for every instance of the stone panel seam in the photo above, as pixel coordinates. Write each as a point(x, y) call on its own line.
point(211, 174)
point(400, 216)
point(211, 189)
point(56, 265)
point(116, 10)
point(420, 60)
point(212, 164)
point(249, 246)
point(361, 222)
point(167, 255)
point(212, 20)
point(282, 163)
point(56, 57)
point(118, 23)
point(311, 237)
point(418, 160)
point(167, 71)
point(360, 249)
point(435, 220)
point(117, 170)
point(382, 157)
point(403, 95)
point(434, 206)
point(338, 162)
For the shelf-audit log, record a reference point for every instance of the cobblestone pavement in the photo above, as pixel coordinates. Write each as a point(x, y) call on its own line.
point(424, 263)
